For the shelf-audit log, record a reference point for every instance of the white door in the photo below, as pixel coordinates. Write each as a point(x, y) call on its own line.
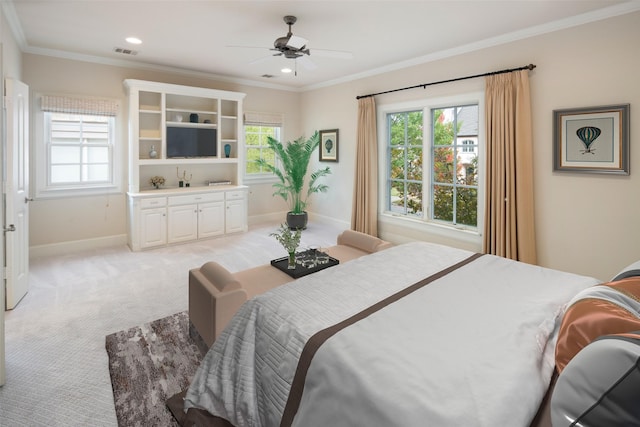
point(2, 298)
point(210, 219)
point(16, 219)
point(183, 223)
point(235, 220)
point(153, 227)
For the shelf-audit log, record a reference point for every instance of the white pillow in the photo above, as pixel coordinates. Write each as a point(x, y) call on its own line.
point(629, 271)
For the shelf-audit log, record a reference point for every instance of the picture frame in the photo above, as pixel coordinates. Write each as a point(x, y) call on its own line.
point(329, 147)
point(592, 139)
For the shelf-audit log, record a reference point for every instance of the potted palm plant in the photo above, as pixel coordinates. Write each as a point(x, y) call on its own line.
point(294, 161)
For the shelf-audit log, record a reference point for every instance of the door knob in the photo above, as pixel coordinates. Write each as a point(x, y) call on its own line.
point(28, 199)
point(11, 227)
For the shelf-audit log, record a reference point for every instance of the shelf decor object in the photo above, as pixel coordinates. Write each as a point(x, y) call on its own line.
point(593, 139)
point(290, 240)
point(156, 181)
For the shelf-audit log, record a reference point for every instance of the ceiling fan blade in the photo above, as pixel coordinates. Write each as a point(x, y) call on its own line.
point(331, 53)
point(297, 42)
point(307, 62)
point(260, 60)
point(249, 47)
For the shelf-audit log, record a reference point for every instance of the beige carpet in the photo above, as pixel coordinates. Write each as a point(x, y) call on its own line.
point(57, 367)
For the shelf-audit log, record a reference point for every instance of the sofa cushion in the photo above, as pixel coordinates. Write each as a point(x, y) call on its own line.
point(219, 276)
point(365, 242)
point(259, 280)
point(344, 253)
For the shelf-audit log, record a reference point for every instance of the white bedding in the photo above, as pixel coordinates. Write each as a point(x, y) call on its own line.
point(473, 348)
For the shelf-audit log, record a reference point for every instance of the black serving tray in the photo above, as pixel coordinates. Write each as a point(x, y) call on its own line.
point(300, 270)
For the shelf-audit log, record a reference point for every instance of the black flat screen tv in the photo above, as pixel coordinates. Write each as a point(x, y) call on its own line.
point(191, 142)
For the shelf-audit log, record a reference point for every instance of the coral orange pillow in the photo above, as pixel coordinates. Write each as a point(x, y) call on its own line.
point(611, 308)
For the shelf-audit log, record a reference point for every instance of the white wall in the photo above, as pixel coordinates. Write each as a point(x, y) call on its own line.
point(585, 223)
point(103, 218)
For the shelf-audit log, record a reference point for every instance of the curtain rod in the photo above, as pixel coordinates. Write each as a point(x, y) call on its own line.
point(424, 85)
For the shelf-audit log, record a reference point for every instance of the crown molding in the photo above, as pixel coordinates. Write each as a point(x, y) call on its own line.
point(154, 67)
point(574, 21)
point(585, 18)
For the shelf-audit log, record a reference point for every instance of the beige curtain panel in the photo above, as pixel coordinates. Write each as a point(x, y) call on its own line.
point(509, 220)
point(364, 215)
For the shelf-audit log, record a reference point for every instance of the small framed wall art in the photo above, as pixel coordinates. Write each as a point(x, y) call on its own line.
point(329, 145)
point(593, 139)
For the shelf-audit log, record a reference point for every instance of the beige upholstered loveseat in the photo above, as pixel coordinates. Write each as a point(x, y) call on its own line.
point(215, 294)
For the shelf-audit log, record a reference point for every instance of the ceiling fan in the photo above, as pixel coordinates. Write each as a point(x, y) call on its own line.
point(295, 47)
point(290, 46)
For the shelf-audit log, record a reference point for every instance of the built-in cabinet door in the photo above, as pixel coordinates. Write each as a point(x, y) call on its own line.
point(183, 223)
point(153, 227)
point(235, 218)
point(210, 219)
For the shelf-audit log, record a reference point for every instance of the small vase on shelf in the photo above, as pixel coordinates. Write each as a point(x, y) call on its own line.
point(153, 153)
point(227, 150)
point(156, 181)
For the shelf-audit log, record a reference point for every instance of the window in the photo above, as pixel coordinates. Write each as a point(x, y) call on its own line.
point(256, 143)
point(454, 186)
point(80, 149)
point(405, 166)
point(76, 151)
point(432, 162)
point(258, 127)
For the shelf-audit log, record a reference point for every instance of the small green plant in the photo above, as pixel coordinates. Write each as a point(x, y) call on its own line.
point(289, 239)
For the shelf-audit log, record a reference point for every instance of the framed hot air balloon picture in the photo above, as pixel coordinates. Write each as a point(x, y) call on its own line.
point(594, 139)
point(329, 145)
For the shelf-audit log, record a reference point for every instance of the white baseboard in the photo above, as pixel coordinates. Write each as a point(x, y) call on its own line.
point(275, 217)
point(270, 217)
point(77, 246)
point(341, 224)
point(117, 240)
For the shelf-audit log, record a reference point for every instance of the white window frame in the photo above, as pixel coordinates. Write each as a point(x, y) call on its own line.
point(43, 189)
point(274, 120)
point(458, 232)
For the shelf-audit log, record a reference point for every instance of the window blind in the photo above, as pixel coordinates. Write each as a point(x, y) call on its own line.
point(70, 105)
point(263, 119)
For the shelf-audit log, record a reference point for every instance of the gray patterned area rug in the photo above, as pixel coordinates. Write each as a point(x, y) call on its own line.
point(149, 364)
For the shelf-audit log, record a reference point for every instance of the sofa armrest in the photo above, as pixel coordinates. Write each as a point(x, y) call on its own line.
point(214, 297)
point(362, 241)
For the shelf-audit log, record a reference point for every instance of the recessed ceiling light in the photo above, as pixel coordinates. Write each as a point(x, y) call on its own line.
point(133, 40)
point(286, 70)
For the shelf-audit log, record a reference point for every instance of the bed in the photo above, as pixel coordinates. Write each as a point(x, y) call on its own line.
point(418, 334)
